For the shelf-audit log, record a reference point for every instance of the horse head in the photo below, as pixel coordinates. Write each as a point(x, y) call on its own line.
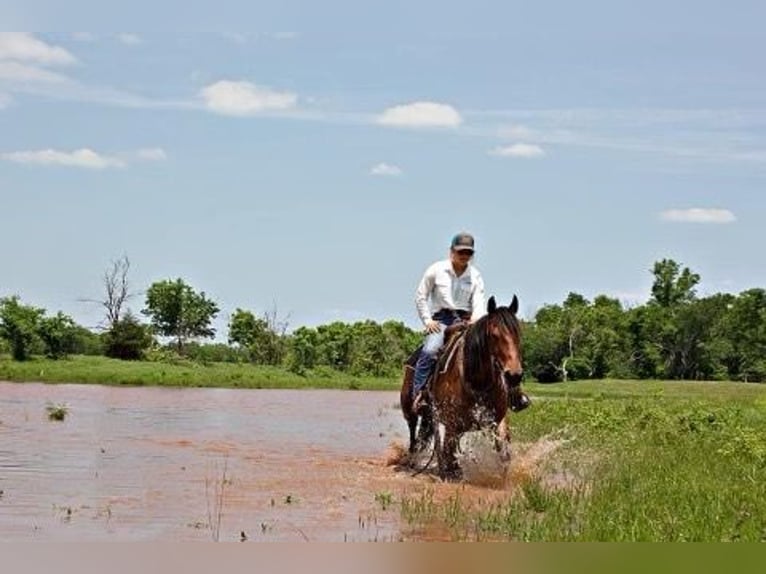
point(504, 338)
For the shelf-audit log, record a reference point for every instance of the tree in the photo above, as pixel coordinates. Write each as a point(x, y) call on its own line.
point(303, 354)
point(671, 285)
point(127, 339)
point(177, 311)
point(370, 348)
point(116, 291)
point(334, 345)
point(743, 334)
point(18, 326)
point(258, 336)
point(59, 335)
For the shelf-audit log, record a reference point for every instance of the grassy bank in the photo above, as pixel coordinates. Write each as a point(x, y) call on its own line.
point(101, 370)
point(635, 462)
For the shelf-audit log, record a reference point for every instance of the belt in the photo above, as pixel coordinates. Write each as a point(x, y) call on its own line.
point(459, 313)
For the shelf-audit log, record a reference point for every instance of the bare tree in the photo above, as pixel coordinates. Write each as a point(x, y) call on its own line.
point(276, 325)
point(116, 291)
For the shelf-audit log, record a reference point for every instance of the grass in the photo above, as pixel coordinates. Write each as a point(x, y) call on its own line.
point(102, 370)
point(57, 412)
point(645, 461)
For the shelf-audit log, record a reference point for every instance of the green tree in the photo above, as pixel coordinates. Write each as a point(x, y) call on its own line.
point(742, 336)
point(19, 326)
point(255, 334)
point(59, 335)
point(370, 349)
point(304, 350)
point(672, 286)
point(177, 311)
point(127, 339)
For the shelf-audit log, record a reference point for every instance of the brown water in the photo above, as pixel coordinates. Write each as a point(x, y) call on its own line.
point(224, 464)
point(198, 464)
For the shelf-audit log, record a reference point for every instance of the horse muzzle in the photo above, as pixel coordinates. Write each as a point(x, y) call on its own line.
point(517, 400)
point(513, 379)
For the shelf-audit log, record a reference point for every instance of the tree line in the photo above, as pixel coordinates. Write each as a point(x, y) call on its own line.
point(675, 335)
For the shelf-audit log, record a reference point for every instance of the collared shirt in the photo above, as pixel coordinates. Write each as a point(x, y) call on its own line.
point(441, 288)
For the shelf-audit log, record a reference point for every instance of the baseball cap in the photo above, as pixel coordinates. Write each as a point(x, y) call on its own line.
point(462, 242)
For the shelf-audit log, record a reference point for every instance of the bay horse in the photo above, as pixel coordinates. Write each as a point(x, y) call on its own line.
point(476, 380)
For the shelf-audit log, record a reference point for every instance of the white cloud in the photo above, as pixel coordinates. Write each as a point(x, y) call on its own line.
point(17, 72)
point(129, 39)
point(385, 169)
point(244, 98)
point(152, 154)
point(21, 46)
point(84, 157)
point(421, 115)
point(698, 215)
point(5, 100)
point(521, 150)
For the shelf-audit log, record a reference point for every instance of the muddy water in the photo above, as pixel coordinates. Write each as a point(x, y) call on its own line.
point(198, 464)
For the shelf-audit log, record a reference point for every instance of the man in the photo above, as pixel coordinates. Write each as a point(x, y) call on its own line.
point(451, 290)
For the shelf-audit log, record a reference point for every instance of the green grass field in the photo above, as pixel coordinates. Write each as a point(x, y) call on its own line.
point(637, 461)
point(181, 373)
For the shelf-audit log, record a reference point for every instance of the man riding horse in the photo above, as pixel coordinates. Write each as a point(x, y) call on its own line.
point(451, 293)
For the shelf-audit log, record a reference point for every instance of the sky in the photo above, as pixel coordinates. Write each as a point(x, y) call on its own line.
point(316, 162)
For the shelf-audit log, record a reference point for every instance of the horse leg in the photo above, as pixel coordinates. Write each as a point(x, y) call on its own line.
point(448, 467)
point(405, 401)
point(426, 430)
point(412, 423)
point(503, 440)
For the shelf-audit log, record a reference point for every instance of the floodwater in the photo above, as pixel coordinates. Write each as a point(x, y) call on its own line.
point(147, 463)
point(197, 464)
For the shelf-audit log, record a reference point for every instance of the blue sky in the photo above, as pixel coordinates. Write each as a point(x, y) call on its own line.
point(320, 163)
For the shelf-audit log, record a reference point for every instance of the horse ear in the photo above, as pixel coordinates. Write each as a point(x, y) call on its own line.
point(514, 306)
point(491, 305)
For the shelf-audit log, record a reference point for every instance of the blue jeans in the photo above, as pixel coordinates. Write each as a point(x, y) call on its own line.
point(433, 342)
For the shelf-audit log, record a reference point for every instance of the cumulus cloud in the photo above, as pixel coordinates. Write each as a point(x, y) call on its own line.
point(152, 154)
point(385, 169)
point(85, 158)
point(420, 115)
point(520, 150)
point(244, 98)
point(698, 215)
point(20, 46)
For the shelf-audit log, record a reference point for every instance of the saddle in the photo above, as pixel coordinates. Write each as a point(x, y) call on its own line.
point(444, 357)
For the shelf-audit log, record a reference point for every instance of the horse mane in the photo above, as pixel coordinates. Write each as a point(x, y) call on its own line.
point(476, 345)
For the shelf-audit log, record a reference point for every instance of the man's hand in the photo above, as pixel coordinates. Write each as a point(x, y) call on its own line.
point(433, 327)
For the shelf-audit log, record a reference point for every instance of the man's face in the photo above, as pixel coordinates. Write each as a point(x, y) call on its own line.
point(462, 256)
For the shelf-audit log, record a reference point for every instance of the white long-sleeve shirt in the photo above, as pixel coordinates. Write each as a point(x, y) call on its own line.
point(441, 288)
